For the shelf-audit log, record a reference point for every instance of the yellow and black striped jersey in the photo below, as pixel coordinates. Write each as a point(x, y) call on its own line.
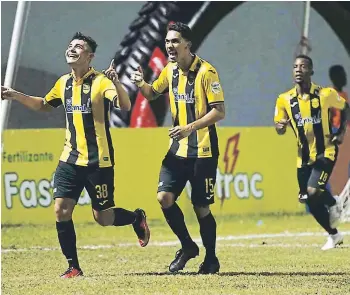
point(87, 107)
point(310, 121)
point(191, 96)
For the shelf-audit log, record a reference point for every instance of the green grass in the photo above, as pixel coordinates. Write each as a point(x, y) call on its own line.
point(278, 265)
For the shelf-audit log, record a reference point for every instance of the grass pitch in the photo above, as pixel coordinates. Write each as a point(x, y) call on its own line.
point(263, 255)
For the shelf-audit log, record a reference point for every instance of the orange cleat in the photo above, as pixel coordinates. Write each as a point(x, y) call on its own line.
point(141, 228)
point(72, 272)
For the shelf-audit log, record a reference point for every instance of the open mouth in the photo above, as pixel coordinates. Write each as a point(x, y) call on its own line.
point(72, 56)
point(172, 54)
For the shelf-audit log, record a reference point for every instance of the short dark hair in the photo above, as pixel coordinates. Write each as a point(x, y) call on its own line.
point(307, 58)
point(91, 42)
point(182, 28)
point(336, 70)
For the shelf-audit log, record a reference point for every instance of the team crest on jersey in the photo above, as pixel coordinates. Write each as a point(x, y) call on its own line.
point(315, 103)
point(215, 87)
point(86, 88)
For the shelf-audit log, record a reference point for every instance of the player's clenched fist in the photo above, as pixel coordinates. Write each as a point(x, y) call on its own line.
point(281, 126)
point(136, 77)
point(7, 92)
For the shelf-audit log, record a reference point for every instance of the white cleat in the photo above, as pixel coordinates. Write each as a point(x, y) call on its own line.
point(333, 241)
point(335, 212)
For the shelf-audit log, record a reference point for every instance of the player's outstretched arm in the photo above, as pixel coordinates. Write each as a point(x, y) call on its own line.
point(32, 102)
point(136, 77)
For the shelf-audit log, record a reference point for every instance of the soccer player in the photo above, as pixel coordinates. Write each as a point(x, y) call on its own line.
point(306, 108)
point(196, 103)
point(338, 77)
point(87, 159)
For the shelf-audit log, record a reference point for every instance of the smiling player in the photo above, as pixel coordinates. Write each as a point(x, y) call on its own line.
point(87, 159)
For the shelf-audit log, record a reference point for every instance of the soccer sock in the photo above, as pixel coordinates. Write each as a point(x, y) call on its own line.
point(68, 242)
point(176, 221)
point(327, 198)
point(320, 213)
point(207, 226)
point(123, 217)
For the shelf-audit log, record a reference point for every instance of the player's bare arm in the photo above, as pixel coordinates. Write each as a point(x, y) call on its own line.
point(136, 77)
point(32, 102)
point(123, 97)
point(216, 114)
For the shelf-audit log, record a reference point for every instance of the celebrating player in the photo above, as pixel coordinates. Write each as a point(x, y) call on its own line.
point(87, 159)
point(306, 108)
point(196, 103)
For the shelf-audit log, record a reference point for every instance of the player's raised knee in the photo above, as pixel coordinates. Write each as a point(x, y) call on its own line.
point(201, 211)
point(312, 192)
point(64, 209)
point(166, 199)
point(102, 221)
point(104, 218)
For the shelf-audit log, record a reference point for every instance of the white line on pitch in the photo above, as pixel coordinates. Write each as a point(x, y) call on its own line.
point(226, 238)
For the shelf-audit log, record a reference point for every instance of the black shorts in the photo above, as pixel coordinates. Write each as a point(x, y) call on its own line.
point(315, 175)
point(200, 172)
point(70, 180)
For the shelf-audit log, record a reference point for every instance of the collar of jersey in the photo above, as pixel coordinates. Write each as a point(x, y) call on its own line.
point(91, 71)
point(312, 90)
point(193, 65)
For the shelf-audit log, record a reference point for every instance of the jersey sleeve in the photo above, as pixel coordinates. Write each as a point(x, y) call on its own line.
point(334, 100)
point(212, 87)
point(54, 97)
point(161, 84)
point(109, 91)
point(280, 110)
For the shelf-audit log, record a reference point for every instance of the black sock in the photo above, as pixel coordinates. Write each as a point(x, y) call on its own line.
point(123, 217)
point(207, 227)
point(320, 213)
point(176, 221)
point(327, 198)
point(68, 242)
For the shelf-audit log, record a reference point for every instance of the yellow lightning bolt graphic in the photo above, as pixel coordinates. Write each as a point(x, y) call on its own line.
point(231, 153)
point(230, 159)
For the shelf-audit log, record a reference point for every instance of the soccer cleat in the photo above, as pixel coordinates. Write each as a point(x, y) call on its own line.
point(72, 272)
point(182, 256)
point(335, 212)
point(141, 228)
point(209, 266)
point(333, 241)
